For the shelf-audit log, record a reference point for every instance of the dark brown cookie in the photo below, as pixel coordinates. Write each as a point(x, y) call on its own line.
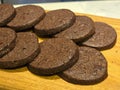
point(80, 30)
point(7, 40)
point(26, 49)
point(91, 67)
point(57, 54)
point(104, 37)
point(54, 22)
point(7, 13)
point(26, 17)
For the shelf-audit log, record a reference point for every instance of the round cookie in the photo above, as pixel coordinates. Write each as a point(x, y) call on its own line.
point(26, 49)
point(7, 13)
point(80, 30)
point(54, 22)
point(26, 17)
point(7, 40)
point(90, 68)
point(104, 37)
point(57, 54)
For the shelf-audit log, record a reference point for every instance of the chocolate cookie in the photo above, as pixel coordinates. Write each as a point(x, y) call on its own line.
point(7, 40)
point(26, 49)
point(7, 13)
point(57, 54)
point(104, 37)
point(90, 68)
point(54, 22)
point(26, 17)
point(80, 30)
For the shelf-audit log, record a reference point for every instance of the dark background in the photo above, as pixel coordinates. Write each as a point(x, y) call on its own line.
point(36, 1)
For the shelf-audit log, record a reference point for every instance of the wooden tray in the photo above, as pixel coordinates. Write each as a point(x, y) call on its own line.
point(21, 78)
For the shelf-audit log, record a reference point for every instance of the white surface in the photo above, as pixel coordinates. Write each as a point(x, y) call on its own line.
point(100, 8)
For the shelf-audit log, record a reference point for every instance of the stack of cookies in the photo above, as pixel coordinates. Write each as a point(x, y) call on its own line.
point(71, 50)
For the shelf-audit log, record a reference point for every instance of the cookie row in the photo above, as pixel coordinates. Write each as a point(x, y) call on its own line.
point(58, 23)
point(17, 49)
point(73, 63)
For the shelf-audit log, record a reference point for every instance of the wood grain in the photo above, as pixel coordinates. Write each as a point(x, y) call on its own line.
point(22, 79)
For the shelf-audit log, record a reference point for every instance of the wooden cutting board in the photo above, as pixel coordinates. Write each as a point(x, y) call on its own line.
point(22, 79)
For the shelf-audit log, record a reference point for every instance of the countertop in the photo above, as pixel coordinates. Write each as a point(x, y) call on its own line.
point(100, 8)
